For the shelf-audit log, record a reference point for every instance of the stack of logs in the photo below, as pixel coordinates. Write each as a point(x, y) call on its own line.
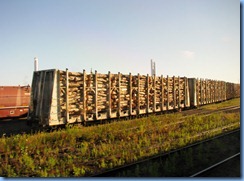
point(236, 90)
point(110, 93)
point(158, 89)
point(134, 92)
point(182, 86)
point(207, 91)
point(175, 96)
point(102, 92)
point(114, 92)
point(142, 92)
point(232, 90)
point(75, 94)
point(125, 92)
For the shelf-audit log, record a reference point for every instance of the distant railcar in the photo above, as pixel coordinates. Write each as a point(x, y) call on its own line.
point(14, 101)
point(232, 90)
point(205, 91)
point(236, 90)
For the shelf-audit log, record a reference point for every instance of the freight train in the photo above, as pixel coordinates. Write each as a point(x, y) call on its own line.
point(14, 101)
point(61, 97)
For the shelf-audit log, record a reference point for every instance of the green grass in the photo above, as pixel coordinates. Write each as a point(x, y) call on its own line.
point(232, 102)
point(83, 151)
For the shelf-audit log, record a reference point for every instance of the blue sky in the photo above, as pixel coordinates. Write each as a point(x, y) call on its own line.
point(192, 38)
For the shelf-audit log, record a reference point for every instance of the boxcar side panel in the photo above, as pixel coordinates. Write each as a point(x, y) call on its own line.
point(14, 101)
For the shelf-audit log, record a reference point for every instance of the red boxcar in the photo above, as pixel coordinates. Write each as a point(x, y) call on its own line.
point(14, 101)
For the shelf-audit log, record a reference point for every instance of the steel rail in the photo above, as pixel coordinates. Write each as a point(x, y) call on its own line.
point(207, 112)
point(215, 165)
point(179, 122)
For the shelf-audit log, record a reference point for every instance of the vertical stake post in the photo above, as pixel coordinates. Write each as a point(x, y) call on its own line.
point(67, 95)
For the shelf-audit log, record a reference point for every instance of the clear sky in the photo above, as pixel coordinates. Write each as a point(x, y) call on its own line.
point(192, 38)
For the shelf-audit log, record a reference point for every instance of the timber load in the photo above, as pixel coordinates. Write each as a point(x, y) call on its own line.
point(61, 97)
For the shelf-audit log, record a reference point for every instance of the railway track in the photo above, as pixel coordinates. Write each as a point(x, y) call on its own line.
point(19, 125)
point(196, 112)
point(210, 171)
point(141, 168)
point(16, 126)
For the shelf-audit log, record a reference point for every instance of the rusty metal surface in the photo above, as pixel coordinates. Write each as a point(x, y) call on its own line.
point(14, 101)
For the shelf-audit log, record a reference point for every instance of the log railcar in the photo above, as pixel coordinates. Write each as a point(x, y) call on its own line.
point(232, 90)
point(14, 101)
point(205, 91)
point(237, 90)
point(60, 97)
